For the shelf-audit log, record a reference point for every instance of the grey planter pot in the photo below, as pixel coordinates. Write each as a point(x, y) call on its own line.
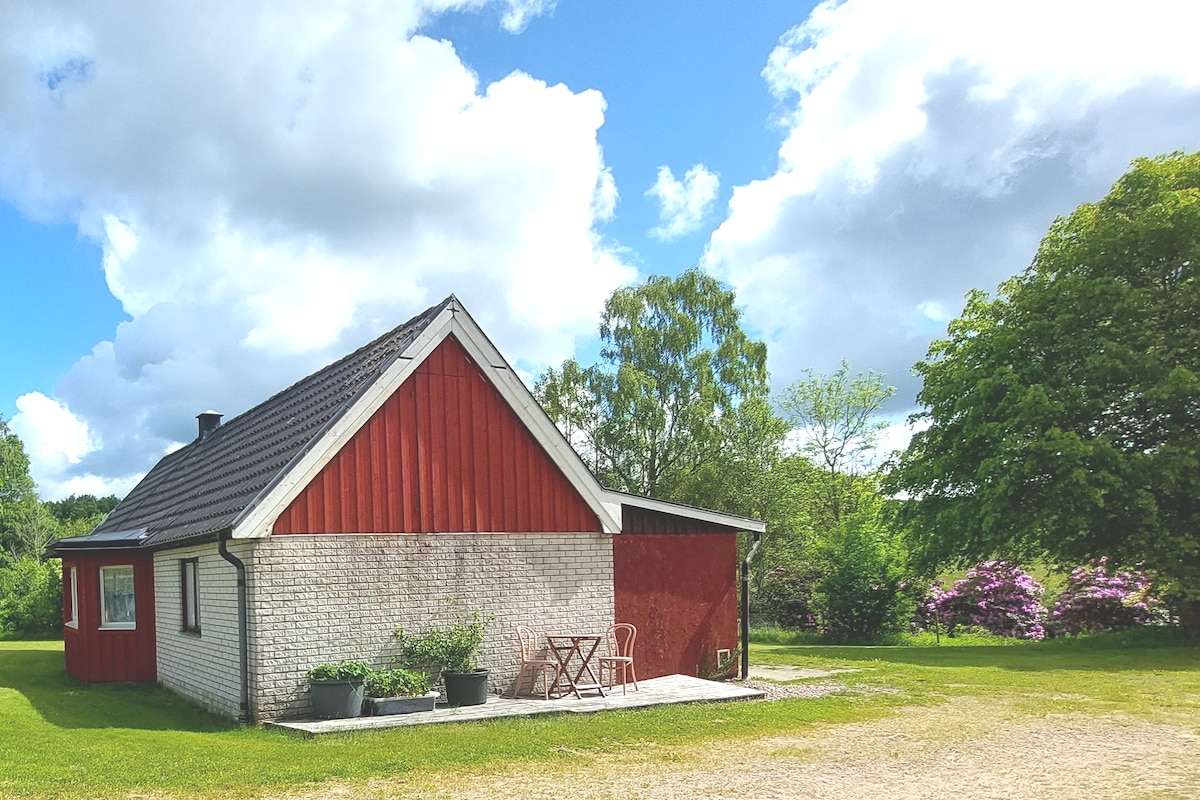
point(381, 706)
point(466, 688)
point(337, 699)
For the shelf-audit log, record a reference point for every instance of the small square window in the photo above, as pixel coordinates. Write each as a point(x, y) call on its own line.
point(118, 610)
point(190, 585)
point(72, 600)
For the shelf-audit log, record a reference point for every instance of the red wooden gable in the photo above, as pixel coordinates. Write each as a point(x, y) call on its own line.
point(445, 453)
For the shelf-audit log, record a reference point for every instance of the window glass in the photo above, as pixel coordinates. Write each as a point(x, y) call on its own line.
point(190, 585)
point(116, 597)
point(72, 601)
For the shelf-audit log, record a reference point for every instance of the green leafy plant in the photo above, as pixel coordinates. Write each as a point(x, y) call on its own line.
point(355, 671)
point(455, 648)
point(397, 683)
point(726, 665)
point(862, 594)
point(1059, 415)
point(31, 597)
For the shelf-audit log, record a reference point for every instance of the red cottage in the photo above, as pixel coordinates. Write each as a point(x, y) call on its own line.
point(416, 468)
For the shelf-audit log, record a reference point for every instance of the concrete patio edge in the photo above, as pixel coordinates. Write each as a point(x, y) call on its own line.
point(666, 690)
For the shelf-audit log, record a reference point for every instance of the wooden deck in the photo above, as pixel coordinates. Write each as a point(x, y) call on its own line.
point(653, 692)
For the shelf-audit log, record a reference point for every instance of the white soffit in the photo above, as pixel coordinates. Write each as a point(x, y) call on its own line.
point(691, 512)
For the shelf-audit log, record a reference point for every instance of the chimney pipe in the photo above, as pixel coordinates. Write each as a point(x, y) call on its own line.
point(209, 422)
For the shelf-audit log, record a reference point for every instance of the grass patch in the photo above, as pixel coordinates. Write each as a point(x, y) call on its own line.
point(1147, 674)
point(813, 639)
point(62, 738)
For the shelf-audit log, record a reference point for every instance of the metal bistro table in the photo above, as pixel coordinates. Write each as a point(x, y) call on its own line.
point(571, 647)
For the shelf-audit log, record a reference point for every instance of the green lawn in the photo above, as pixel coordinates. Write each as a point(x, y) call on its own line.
point(61, 738)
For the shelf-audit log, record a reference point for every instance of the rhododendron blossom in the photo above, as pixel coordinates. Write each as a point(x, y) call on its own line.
point(996, 597)
point(1096, 601)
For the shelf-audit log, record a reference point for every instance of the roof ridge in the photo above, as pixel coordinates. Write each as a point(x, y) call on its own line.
point(430, 312)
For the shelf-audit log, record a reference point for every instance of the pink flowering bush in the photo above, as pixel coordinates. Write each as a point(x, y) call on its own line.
point(1095, 601)
point(996, 597)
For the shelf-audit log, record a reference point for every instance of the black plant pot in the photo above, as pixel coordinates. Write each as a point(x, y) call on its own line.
point(466, 688)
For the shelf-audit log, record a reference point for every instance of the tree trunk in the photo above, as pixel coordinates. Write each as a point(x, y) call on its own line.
point(1189, 616)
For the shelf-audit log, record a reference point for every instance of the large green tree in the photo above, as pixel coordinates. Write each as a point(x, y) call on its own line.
point(813, 562)
point(1064, 413)
point(836, 418)
point(675, 365)
point(78, 507)
point(19, 507)
point(16, 486)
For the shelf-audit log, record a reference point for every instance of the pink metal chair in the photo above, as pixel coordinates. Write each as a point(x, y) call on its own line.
point(531, 665)
point(619, 640)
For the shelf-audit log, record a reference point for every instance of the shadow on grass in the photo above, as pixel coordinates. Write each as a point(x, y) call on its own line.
point(1115, 653)
point(36, 672)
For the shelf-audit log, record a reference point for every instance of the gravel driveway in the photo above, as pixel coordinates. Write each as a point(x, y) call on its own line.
point(965, 749)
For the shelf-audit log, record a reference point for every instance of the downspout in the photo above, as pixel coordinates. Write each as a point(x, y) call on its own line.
point(243, 629)
point(746, 605)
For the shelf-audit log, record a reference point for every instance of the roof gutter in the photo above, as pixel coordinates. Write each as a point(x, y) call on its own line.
point(746, 604)
point(243, 627)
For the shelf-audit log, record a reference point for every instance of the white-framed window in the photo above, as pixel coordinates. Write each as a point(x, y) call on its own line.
point(73, 599)
point(189, 582)
point(117, 607)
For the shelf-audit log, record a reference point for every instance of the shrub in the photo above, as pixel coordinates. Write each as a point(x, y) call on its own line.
point(862, 594)
point(1095, 601)
point(344, 671)
point(397, 683)
point(455, 648)
point(996, 597)
point(785, 597)
point(31, 597)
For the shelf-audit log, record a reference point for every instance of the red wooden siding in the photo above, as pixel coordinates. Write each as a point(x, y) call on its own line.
point(680, 590)
point(445, 453)
point(100, 656)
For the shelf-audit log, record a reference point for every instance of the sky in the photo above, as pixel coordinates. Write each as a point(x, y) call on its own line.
point(202, 203)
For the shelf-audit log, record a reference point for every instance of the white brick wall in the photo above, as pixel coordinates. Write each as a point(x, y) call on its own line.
point(203, 667)
point(327, 597)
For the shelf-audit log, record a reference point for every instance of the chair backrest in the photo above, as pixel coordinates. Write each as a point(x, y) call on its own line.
point(619, 639)
point(527, 637)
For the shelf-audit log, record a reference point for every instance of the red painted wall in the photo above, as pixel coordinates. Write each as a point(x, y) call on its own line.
point(100, 656)
point(445, 453)
point(680, 590)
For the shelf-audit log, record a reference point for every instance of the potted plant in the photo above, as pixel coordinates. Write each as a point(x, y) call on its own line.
point(399, 691)
point(337, 689)
point(454, 650)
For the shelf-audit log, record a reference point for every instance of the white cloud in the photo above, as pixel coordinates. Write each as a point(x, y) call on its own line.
point(520, 12)
point(604, 204)
point(272, 186)
point(684, 205)
point(927, 146)
point(55, 440)
point(55, 436)
point(934, 311)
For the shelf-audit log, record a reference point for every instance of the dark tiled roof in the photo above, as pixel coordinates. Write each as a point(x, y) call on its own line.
point(202, 488)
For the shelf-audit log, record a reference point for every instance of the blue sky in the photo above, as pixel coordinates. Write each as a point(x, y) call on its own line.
point(198, 206)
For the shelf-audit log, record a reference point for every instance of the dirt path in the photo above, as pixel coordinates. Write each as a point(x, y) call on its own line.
point(967, 749)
